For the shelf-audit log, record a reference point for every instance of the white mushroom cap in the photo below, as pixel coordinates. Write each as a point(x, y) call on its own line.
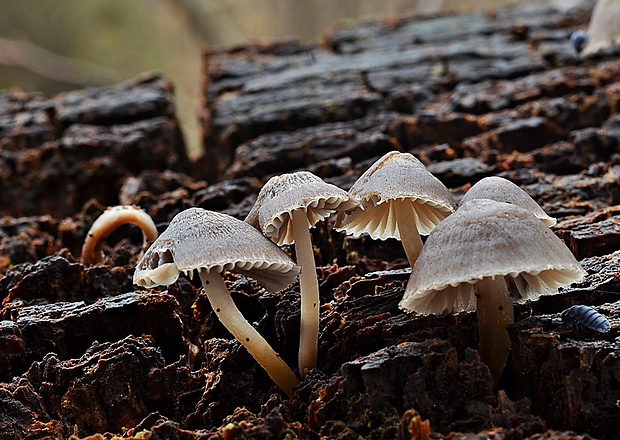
point(604, 28)
point(300, 190)
point(197, 239)
point(503, 190)
point(485, 238)
point(395, 176)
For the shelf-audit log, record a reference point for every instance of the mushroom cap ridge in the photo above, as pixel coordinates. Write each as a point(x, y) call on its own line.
point(395, 176)
point(486, 238)
point(197, 239)
point(303, 190)
point(503, 190)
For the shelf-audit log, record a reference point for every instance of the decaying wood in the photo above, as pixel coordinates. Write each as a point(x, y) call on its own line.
point(83, 352)
point(57, 154)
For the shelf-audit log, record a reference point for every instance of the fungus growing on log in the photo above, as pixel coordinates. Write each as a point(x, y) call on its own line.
point(108, 222)
point(398, 198)
point(209, 243)
point(485, 256)
point(286, 208)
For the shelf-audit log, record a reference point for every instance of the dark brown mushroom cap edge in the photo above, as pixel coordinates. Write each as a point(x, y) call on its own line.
point(111, 219)
point(209, 243)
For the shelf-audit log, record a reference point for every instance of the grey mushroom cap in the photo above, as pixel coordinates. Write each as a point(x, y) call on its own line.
point(303, 190)
point(197, 239)
point(485, 238)
point(503, 190)
point(395, 176)
point(604, 28)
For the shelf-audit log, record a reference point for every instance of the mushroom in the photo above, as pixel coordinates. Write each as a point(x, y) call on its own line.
point(209, 243)
point(503, 190)
point(485, 256)
point(108, 222)
point(397, 198)
point(286, 208)
point(603, 31)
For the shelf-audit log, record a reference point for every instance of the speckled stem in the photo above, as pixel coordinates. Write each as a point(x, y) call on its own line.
point(409, 235)
point(309, 286)
point(495, 313)
point(240, 328)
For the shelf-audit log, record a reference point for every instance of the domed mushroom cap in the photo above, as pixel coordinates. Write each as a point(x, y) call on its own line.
point(485, 238)
point(197, 239)
point(604, 28)
point(303, 190)
point(503, 190)
point(396, 176)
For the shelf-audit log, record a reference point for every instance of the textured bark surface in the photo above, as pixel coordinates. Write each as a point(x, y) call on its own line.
point(83, 352)
point(57, 154)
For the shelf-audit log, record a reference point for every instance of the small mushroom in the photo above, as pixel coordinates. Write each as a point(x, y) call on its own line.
point(210, 243)
point(603, 31)
point(286, 208)
point(485, 256)
point(108, 222)
point(503, 190)
point(397, 198)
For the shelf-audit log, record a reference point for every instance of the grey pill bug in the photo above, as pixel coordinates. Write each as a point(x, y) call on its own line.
point(584, 316)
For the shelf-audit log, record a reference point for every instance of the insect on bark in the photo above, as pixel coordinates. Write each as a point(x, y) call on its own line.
point(584, 316)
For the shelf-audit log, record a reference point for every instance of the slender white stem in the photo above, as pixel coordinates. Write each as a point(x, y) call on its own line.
point(108, 222)
point(495, 313)
point(309, 287)
point(409, 235)
point(240, 328)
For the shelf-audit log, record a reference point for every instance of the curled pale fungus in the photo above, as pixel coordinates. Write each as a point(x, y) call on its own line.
point(483, 257)
point(108, 222)
point(209, 243)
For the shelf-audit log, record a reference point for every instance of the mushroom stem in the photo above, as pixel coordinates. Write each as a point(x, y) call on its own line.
point(108, 222)
point(495, 313)
point(240, 328)
point(309, 287)
point(409, 235)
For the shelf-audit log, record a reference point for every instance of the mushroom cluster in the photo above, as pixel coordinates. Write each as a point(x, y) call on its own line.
point(496, 248)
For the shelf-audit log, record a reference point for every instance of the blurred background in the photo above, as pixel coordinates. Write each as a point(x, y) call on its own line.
point(56, 46)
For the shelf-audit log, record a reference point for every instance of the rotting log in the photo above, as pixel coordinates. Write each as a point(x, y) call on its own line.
point(471, 95)
point(57, 154)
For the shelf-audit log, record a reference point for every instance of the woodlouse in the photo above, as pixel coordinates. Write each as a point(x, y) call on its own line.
point(585, 316)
